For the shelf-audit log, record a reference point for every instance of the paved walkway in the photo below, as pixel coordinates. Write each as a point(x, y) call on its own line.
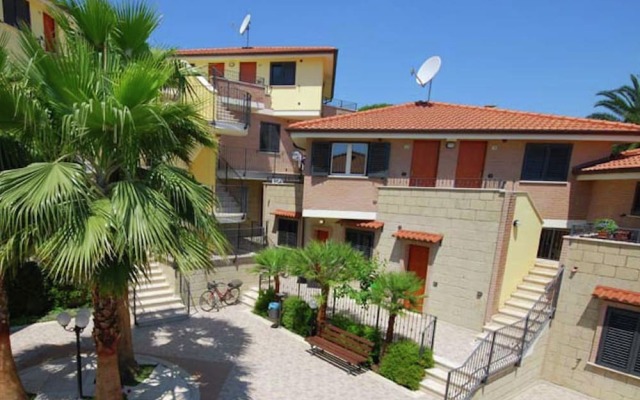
point(549, 391)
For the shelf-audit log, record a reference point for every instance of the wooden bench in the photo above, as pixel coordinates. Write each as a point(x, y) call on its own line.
point(345, 345)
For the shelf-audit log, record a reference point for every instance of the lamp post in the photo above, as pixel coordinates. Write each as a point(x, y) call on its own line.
point(313, 304)
point(81, 322)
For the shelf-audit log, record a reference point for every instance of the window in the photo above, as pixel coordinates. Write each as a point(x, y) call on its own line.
point(635, 209)
point(360, 240)
point(283, 73)
point(269, 137)
point(287, 232)
point(349, 158)
point(16, 11)
point(620, 341)
point(546, 162)
point(550, 244)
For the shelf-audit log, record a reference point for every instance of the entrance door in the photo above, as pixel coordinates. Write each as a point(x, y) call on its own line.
point(471, 155)
point(248, 72)
point(216, 69)
point(418, 263)
point(322, 235)
point(49, 25)
point(424, 163)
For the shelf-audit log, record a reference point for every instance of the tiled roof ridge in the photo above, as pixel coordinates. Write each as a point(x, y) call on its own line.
point(254, 48)
point(345, 116)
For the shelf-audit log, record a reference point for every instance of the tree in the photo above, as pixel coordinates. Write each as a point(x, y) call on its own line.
point(106, 196)
point(331, 265)
point(273, 261)
point(395, 292)
point(374, 106)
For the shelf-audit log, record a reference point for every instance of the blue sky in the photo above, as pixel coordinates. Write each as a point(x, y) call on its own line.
point(535, 55)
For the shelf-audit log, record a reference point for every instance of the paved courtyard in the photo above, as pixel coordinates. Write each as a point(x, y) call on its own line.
point(234, 354)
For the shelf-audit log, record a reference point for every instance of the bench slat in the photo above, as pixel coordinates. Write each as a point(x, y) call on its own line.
point(347, 342)
point(338, 351)
point(345, 345)
point(349, 334)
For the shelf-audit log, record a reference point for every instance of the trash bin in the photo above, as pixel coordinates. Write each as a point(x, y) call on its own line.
point(274, 313)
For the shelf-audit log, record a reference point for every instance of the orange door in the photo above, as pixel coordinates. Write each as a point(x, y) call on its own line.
point(418, 264)
point(216, 69)
point(49, 31)
point(471, 155)
point(248, 72)
point(424, 163)
point(322, 235)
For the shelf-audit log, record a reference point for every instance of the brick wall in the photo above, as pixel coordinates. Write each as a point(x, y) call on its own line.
point(280, 196)
point(340, 194)
point(462, 265)
point(573, 333)
point(612, 199)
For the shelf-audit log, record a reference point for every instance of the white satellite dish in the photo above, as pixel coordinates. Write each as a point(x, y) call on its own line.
point(428, 70)
point(245, 26)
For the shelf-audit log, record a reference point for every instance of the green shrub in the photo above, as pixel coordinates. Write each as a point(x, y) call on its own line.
point(403, 365)
point(365, 331)
point(297, 316)
point(262, 303)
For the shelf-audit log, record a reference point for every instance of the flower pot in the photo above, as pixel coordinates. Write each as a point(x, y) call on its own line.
point(603, 235)
point(622, 235)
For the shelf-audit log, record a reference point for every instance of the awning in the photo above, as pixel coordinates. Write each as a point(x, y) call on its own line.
point(287, 214)
point(362, 224)
point(418, 236)
point(617, 295)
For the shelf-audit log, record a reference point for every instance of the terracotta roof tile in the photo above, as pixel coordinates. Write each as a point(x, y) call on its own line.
point(287, 214)
point(617, 295)
point(418, 236)
point(443, 117)
point(239, 51)
point(362, 224)
point(627, 160)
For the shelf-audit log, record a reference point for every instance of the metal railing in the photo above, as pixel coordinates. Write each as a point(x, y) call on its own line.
point(484, 183)
point(245, 240)
point(234, 76)
point(621, 234)
point(344, 104)
point(184, 287)
point(238, 193)
point(242, 162)
point(135, 306)
point(505, 347)
point(233, 104)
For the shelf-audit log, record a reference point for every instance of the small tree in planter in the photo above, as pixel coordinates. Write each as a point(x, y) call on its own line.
point(395, 292)
point(330, 264)
point(273, 261)
point(605, 227)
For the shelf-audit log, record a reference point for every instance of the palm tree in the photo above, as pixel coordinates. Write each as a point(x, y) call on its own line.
point(622, 104)
point(331, 265)
point(106, 196)
point(273, 261)
point(395, 292)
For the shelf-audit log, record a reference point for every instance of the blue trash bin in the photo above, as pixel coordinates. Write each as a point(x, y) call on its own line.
point(274, 313)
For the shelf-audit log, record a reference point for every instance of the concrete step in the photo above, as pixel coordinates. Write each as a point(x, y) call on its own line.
point(146, 295)
point(544, 272)
point(520, 303)
point(146, 304)
point(433, 386)
point(162, 316)
point(504, 319)
point(151, 286)
point(525, 295)
point(541, 262)
point(437, 374)
point(513, 312)
point(531, 287)
point(536, 279)
point(444, 363)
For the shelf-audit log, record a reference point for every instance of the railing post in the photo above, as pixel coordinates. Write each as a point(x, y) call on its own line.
point(244, 173)
point(333, 312)
point(446, 388)
point(135, 313)
point(433, 332)
point(378, 319)
point(493, 343)
point(524, 340)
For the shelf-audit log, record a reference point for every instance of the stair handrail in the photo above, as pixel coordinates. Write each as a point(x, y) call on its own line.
point(428, 335)
point(185, 290)
point(463, 382)
point(135, 309)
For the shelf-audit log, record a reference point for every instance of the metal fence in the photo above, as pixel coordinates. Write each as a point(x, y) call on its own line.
point(486, 183)
point(419, 327)
point(344, 104)
point(621, 234)
point(245, 240)
point(503, 348)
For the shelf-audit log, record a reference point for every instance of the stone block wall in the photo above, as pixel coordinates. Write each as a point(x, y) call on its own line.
point(280, 196)
point(573, 336)
point(460, 268)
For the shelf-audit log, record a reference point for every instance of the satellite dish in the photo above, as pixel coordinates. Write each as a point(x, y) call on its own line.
point(428, 70)
point(245, 26)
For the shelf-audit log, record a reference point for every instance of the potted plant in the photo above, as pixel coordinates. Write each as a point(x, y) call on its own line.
point(605, 227)
point(622, 235)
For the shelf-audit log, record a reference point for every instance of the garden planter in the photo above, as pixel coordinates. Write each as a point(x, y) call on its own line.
point(622, 235)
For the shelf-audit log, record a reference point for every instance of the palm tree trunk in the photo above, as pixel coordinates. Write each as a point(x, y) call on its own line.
point(389, 336)
point(10, 384)
point(105, 336)
point(127, 364)
point(276, 283)
point(322, 311)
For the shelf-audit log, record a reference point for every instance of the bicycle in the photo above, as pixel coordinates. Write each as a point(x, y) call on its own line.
point(213, 298)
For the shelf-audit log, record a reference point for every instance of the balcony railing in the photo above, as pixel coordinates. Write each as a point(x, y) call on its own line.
point(487, 183)
point(236, 77)
point(589, 230)
point(242, 162)
point(343, 104)
point(228, 86)
point(226, 104)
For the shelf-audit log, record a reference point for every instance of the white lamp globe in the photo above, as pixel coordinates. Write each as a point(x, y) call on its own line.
point(82, 318)
point(63, 318)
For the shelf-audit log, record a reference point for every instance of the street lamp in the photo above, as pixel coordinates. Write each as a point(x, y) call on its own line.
point(81, 322)
point(313, 304)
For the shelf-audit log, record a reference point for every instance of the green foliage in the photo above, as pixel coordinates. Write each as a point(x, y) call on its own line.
point(403, 365)
point(622, 104)
point(368, 332)
point(261, 307)
point(272, 261)
point(297, 316)
point(374, 106)
point(391, 290)
point(606, 225)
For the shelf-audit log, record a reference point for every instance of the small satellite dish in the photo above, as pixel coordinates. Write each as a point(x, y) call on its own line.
point(245, 27)
point(428, 70)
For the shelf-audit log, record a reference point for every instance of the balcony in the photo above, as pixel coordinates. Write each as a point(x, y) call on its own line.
point(231, 83)
point(333, 107)
point(589, 230)
point(246, 163)
point(484, 183)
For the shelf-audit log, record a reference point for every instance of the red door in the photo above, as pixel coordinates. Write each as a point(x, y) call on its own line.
point(49, 31)
point(418, 263)
point(471, 155)
point(248, 72)
point(322, 235)
point(216, 69)
point(424, 163)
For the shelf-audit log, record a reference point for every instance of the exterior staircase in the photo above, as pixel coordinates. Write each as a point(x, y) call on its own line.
point(229, 211)
point(155, 300)
point(435, 381)
point(524, 298)
point(249, 297)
